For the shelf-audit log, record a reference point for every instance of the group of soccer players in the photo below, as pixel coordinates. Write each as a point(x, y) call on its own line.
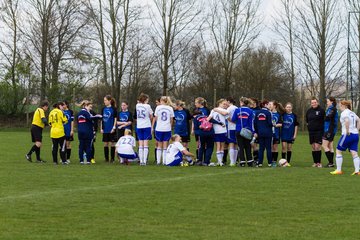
point(243, 133)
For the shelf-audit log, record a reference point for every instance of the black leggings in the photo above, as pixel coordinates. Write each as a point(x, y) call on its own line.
point(244, 145)
point(59, 143)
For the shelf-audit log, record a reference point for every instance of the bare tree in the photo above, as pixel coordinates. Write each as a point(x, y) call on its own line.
point(175, 24)
point(234, 26)
point(321, 30)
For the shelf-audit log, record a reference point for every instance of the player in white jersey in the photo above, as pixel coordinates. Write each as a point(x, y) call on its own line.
point(125, 147)
point(220, 114)
point(164, 118)
point(231, 132)
point(175, 152)
point(350, 125)
point(144, 116)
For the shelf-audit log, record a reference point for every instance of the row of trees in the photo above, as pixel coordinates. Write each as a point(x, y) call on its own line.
point(74, 49)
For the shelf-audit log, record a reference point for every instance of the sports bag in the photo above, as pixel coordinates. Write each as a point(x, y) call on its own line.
point(246, 133)
point(205, 125)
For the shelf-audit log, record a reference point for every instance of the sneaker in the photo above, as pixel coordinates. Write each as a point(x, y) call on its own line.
point(232, 165)
point(355, 173)
point(56, 163)
point(92, 161)
point(288, 165)
point(220, 164)
point(330, 165)
point(191, 163)
point(28, 157)
point(40, 161)
point(81, 162)
point(68, 161)
point(336, 172)
point(242, 164)
point(259, 165)
point(270, 165)
point(314, 165)
point(319, 165)
point(204, 164)
point(65, 163)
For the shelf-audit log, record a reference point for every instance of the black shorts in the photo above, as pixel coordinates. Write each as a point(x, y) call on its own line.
point(315, 137)
point(36, 133)
point(185, 139)
point(120, 133)
point(69, 138)
point(276, 141)
point(328, 137)
point(288, 141)
point(109, 137)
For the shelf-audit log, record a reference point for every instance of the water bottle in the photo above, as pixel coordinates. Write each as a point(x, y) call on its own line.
point(84, 157)
point(252, 140)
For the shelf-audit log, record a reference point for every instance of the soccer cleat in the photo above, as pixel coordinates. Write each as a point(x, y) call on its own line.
point(232, 165)
point(92, 161)
point(259, 165)
point(270, 165)
point(314, 165)
point(28, 157)
point(330, 165)
point(68, 161)
point(65, 163)
point(288, 165)
point(336, 172)
point(220, 164)
point(40, 161)
point(81, 162)
point(355, 173)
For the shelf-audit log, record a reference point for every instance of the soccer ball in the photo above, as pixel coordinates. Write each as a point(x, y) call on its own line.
point(283, 162)
point(184, 164)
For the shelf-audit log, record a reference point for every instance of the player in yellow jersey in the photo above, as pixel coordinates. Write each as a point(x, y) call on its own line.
point(57, 119)
point(38, 123)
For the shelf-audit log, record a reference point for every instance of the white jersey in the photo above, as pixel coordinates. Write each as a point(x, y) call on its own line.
point(126, 145)
point(172, 150)
point(220, 118)
point(164, 114)
point(231, 109)
point(143, 113)
point(353, 118)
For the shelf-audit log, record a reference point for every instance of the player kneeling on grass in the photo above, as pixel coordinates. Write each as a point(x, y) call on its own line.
point(125, 148)
point(175, 151)
point(350, 125)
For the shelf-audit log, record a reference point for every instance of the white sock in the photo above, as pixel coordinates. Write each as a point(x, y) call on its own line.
point(164, 156)
point(146, 153)
point(141, 154)
point(356, 164)
point(121, 160)
point(158, 155)
point(339, 161)
point(232, 156)
point(219, 157)
point(188, 158)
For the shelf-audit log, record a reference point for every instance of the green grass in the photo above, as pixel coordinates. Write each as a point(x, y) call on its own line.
point(102, 201)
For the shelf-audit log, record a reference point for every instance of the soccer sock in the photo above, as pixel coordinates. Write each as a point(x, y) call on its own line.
point(275, 156)
point(339, 161)
point(141, 154)
point(283, 154)
point(256, 155)
point(68, 153)
point(197, 154)
point(188, 158)
point(37, 152)
point(112, 153)
point(330, 157)
point(158, 155)
point(146, 153)
point(219, 157)
point(155, 153)
point(314, 156)
point(225, 153)
point(164, 156)
point(106, 153)
point(318, 156)
point(356, 164)
point(288, 156)
point(33, 149)
point(232, 156)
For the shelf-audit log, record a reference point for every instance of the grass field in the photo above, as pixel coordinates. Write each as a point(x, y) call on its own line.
point(103, 201)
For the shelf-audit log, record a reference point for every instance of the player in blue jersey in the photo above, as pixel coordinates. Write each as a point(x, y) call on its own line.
point(124, 120)
point(254, 105)
point(277, 110)
point(69, 129)
point(289, 131)
point(243, 117)
point(330, 127)
point(108, 127)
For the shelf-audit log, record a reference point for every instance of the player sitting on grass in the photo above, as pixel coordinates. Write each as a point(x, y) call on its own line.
point(125, 148)
point(175, 151)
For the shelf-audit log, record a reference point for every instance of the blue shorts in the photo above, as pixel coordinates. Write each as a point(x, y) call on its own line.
point(127, 156)
point(177, 160)
point(162, 136)
point(144, 133)
point(220, 137)
point(348, 142)
point(231, 136)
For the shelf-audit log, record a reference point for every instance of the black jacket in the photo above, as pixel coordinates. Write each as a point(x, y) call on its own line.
point(315, 119)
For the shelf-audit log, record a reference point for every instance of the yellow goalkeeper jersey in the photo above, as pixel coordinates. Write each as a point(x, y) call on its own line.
point(38, 115)
point(57, 120)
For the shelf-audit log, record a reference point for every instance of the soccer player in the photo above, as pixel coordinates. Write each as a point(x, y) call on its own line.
point(231, 132)
point(95, 128)
point(144, 116)
point(276, 111)
point(255, 106)
point(69, 128)
point(38, 123)
point(125, 119)
point(125, 147)
point(108, 127)
point(157, 103)
point(243, 117)
point(164, 118)
point(263, 125)
point(330, 128)
point(220, 114)
point(315, 116)
point(350, 125)
point(289, 131)
point(182, 124)
point(85, 123)
point(175, 152)
point(57, 119)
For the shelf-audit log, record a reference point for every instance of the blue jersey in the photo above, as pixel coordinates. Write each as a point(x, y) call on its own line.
point(109, 114)
point(69, 114)
point(288, 126)
point(204, 110)
point(85, 125)
point(182, 126)
point(263, 123)
point(244, 118)
point(276, 118)
point(331, 120)
point(125, 117)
